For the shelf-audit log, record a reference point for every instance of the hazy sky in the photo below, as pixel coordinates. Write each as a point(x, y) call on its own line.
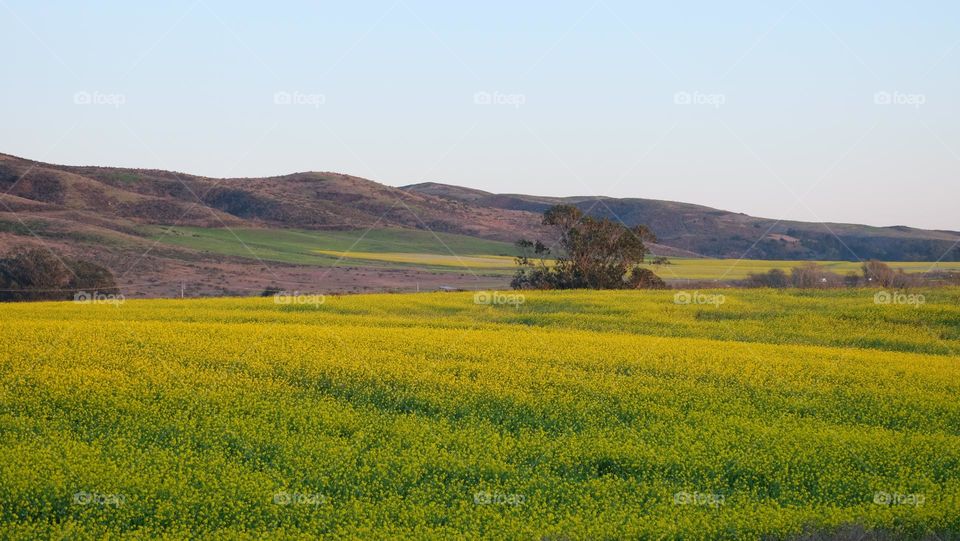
point(811, 110)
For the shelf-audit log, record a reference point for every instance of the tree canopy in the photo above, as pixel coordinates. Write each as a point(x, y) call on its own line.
point(592, 253)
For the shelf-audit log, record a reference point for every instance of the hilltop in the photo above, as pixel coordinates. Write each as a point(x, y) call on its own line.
point(718, 233)
point(160, 231)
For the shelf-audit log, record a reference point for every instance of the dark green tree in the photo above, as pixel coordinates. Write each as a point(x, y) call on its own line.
point(594, 253)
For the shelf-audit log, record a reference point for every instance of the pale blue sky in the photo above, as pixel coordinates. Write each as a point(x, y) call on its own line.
point(783, 119)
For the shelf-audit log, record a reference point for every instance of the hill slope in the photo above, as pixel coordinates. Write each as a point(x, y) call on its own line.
point(111, 216)
point(121, 218)
point(301, 200)
point(718, 233)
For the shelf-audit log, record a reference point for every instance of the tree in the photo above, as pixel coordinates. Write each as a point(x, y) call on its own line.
point(594, 254)
point(879, 273)
point(812, 275)
point(852, 279)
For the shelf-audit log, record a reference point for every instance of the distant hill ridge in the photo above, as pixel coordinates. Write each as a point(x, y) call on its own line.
point(718, 233)
point(91, 203)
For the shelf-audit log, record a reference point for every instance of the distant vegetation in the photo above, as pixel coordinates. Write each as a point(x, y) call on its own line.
point(383, 246)
point(123, 177)
point(822, 246)
point(594, 253)
point(873, 273)
point(307, 247)
point(39, 275)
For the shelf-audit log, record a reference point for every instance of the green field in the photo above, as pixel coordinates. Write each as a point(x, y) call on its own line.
point(501, 262)
point(304, 247)
point(445, 252)
point(555, 415)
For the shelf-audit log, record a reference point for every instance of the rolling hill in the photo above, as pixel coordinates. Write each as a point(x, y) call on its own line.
point(164, 232)
point(718, 233)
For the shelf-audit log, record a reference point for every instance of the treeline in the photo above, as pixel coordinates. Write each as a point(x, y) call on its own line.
point(873, 273)
point(599, 253)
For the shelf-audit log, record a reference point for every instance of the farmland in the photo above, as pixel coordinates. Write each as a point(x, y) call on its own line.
point(683, 269)
point(307, 247)
point(439, 252)
point(555, 415)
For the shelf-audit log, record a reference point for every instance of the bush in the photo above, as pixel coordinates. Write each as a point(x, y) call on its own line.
point(271, 291)
point(878, 273)
point(774, 278)
point(641, 278)
point(852, 279)
point(812, 275)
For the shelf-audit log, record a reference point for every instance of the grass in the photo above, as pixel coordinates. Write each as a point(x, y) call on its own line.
point(23, 228)
point(307, 247)
point(445, 252)
point(580, 415)
point(441, 260)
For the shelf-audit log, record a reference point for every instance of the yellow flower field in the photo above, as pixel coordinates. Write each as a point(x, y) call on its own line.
point(562, 415)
